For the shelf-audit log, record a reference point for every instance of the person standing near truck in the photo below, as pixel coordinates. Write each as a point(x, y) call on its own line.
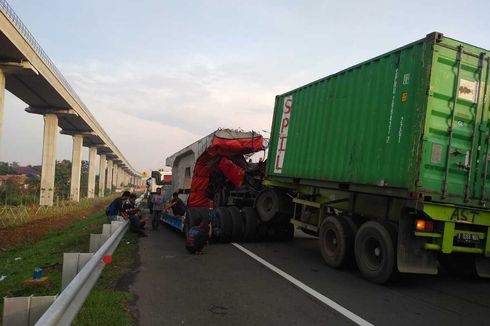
point(157, 200)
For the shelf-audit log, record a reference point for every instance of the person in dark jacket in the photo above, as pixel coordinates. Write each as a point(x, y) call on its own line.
point(116, 207)
point(198, 236)
point(131, 212)
point(177, 205)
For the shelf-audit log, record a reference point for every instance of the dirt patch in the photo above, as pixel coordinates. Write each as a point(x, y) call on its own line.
point(34, 231)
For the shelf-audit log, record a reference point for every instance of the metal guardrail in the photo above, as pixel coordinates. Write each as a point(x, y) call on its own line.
point(12, 16)
point(67, 305)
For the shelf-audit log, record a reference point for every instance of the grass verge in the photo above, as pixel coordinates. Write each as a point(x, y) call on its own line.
point(106, 305)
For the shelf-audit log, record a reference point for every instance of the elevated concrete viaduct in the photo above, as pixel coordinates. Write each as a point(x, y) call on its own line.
point(28, 73)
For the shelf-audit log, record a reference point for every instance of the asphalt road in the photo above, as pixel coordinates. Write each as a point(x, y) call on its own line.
point(227, 287)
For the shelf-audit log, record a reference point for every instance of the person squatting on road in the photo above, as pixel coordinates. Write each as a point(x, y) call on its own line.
point(158, 200)
point(116, 207)
point(198, 235)
point(131, 212)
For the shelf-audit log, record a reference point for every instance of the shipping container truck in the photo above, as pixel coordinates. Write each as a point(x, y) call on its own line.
point(386, 162)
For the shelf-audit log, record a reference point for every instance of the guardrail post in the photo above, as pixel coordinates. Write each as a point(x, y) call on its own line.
point(22, 311)
point(72, 264)
point(97, 240)
point(68, 303)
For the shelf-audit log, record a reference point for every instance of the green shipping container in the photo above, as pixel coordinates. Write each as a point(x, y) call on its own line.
point(412, 123)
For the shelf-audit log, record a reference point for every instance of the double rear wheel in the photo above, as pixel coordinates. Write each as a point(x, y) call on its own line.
point(372, 246)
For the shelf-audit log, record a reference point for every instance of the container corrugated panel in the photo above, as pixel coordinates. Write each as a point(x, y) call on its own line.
point(384, 125)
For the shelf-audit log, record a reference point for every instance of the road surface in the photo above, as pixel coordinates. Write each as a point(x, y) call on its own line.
point(227, 287)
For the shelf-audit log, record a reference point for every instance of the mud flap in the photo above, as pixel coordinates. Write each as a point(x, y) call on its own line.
point(411, 255)
point(482, 265)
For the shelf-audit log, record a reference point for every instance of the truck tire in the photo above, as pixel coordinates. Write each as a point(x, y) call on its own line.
point(286, 232)
point(270, 202)
point(220, 198)
point(262, 231)
point(238, 227)
point(336, 241)
point(354, 223)
point(267, 204)
point(204, 214)
point(251, 222)
point(375, 251)
point(226, 223)
point(191, 215)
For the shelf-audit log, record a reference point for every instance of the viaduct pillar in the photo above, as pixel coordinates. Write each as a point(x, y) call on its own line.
point(92, 153)
point(76, 167)
point(2, 102)
point(49, 160)
point(110, 164)
point(102, 164)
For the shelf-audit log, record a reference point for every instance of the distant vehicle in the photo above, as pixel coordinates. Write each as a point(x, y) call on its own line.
point(386, 162)
point(160, 179)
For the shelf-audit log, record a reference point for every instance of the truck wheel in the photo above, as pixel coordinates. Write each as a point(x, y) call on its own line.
point(220, 198)
point(251, 222)
point(336, 241)
point(262, 231)
point(238, 228)
point(226, 223)
point(375, 251)
point(204, 213)
point(267, 204)
point(286, 232)
point(190, 216)
point(270, 202)
point(186, 227)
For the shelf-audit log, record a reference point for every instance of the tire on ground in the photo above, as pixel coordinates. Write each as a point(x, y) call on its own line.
point(226, 223)
point(375, 251)
point(251, 222)
point(191, 215)
point(238, 227)
point(262, 231)
point(286, 232)
point(336, 241)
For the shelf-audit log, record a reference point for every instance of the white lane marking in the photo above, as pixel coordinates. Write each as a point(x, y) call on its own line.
point(332, 304)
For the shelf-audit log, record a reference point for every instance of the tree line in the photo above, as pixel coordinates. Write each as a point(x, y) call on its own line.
point(14, 193)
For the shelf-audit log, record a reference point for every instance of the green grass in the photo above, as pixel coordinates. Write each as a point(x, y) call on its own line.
point(106, 305)
point(109, 300)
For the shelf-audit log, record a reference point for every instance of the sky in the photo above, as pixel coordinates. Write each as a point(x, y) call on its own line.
point(159, 75)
